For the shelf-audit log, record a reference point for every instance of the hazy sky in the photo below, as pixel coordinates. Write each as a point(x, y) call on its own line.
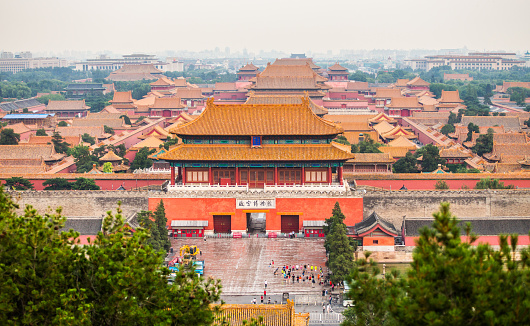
point(292, 26)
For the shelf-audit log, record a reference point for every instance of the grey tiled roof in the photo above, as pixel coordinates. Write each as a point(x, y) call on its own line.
point(371, 221)
point(84, 225)
point(20, 104)
point(480, 226)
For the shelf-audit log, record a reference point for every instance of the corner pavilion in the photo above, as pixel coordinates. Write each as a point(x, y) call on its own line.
point(256, 146)
point(256, 168)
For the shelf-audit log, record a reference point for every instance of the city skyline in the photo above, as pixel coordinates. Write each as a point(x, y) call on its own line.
point(131, 27)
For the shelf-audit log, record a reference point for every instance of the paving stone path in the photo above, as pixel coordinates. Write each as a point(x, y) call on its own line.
point(243, 264)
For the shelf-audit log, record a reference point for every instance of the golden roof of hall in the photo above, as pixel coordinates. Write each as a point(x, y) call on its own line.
point(338, 69)
point(225, 87)
point(454, 153)
point(12, 153)
point(395, 151)
point(276, 152)
point(36, 140)
point(372, 158)
point(167, 103)
point(109, 122)
point(93, 131)
point(383, 127)
point(296, 62)
point(163, 81)
point(149, 142)
point(450, 97)
point(157, 132)
point(66, 105)
point(110, 157)
point(192, 93)
point(404, 102)
point(381, 116)
point(397, 132)
point(122, 97)
point(285, 99)
point(290, 71)
point(249, 67)
point(403, 142)
point(387, 93)
point(257, 120)
point(510, 138)
point(417, 81)
point(401, 83)
point(357, 86)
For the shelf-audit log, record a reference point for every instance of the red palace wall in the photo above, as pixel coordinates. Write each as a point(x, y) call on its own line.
point(305, 208)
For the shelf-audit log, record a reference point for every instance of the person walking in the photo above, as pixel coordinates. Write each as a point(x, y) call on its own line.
point(323, 308)
point(265, 283)
point(329, 299)
point(262, 299)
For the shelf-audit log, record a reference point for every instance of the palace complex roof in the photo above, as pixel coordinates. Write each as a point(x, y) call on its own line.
point(285, 99)
point(66, 105)
point(417, 81)
point(284, 152)
point(387, 93)
point(191, 93)
point(510, 123)
point(404, 102)
point(296, 62)
point(450, 97)
point(93, 131)
point(401, 83)
point(122, 97)
point(373, 221)
point(291, 71)
point(110, 157)
point(403, 142)
point(357, 86)
point(163, 81)
point(109, 122)
point(37, 140)
point(135, 72)
point(257, 120)
point(382, 117)
point(225, 87)
point(149, 142)
point(157, 132)
point(249, 67)
point(167, 103)
point(510, 138)
point(383, 127)
point(372, 158)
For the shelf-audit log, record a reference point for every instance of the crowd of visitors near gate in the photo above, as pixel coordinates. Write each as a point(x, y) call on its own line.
point(303, 273)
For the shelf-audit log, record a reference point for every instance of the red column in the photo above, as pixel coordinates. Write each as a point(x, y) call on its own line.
point(330, 175)
point(172, 181)
point(183, 175)
point(275, 175)
point(340, 174)
point(237, 175)
point(303, 175)
point(210, 179)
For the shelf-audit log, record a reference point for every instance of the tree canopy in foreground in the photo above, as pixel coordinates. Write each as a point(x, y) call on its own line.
point(450, 282)
point(119, 280)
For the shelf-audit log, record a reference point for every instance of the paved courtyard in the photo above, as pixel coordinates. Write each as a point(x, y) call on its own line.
point(243, 264)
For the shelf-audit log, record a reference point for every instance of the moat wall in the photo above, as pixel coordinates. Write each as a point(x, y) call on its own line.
point(393, 205)
point(82, 203)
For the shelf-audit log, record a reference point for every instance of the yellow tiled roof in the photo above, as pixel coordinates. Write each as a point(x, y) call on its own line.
point(372, 158)
point(110, 157)
point(284, 152)
point(284, 99)
point(395, 151)
point(150, 142)
point(257, 120)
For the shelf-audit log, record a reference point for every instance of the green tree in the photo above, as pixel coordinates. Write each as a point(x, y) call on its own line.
point(126, 119)
point(58, 143)
point(107, 167)
point(484, 144)
point(161, 224)
point(108, 130)
point(407, 164)
point(57, 184)
point(141, 160)
point(18, 183)
point(62, 124)
point(341, 140)
point(471, 128)
point(83, 159)
point(86, 138)
point(147, 221)
point(488, 183)
point(119, 280)
point(54, 97)
point(41, 132)
point(453, 118)
point(338, 246)
point(85, 184)
point(437, 89)
point(441, 185)
point(447, 129)
point(9, 137)
point(450, 282)
point(368, 145)
point(430, 157)
point(170, 142)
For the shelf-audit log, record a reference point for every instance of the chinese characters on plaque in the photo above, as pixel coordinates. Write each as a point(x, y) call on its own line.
point(255, 203)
